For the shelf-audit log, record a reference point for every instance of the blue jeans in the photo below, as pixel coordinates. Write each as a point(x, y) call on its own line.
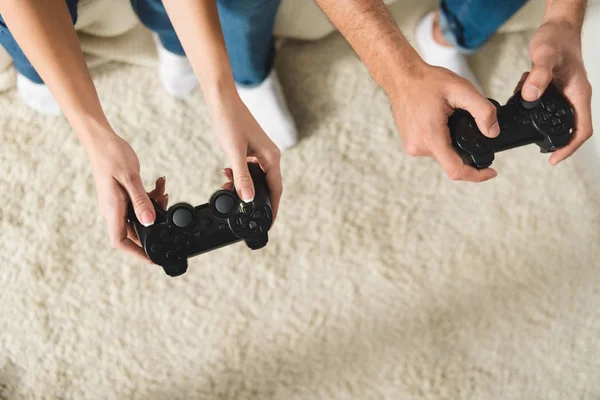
point(469, 24)
point(247, 27)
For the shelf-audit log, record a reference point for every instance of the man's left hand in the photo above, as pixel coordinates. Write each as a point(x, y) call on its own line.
point(555, 51)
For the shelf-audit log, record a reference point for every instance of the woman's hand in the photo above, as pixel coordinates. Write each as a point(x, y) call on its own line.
point(243, 140)
point(116, 170)
point(555, 51)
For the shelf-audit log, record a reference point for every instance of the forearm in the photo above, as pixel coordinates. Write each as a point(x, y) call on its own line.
point(371, 31)
point(45, 33)
point(569, 11)
point(198, 27)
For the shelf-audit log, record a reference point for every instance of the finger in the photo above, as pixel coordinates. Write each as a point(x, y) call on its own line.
point(228, 172)
point(118, 234)
point(132, 235)
point(163, 201)
point(144, 210)
point(159, 188)
point(241, 176)
point(583, 128)
point(467, 97)
point(275, 188)
point(544, 60)
point(227, 186)
point(453, 165)
point(521, 82)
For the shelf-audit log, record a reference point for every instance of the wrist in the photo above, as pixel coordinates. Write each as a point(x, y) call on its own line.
point(220, 97)
point(402, 73)
point(396, 65)
point(569, 15)
point(92, 132)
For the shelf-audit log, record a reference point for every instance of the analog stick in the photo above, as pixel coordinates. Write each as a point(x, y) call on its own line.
point(529, 105)
point(224, 204)
point(182, 217)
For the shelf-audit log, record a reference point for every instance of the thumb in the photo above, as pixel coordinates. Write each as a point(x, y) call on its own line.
point(142, 206)
point(469, 98)
point(540, 76)
point(242, 179)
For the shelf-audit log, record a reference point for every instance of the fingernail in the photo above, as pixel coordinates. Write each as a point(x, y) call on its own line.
point(147, 219)
point(495, 130)
point(247, 195)
point(531, 92)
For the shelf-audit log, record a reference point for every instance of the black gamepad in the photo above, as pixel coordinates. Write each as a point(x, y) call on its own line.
point(547, 122)
point(184, 231)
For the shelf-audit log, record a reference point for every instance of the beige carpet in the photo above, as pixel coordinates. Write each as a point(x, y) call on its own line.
point(382, 280)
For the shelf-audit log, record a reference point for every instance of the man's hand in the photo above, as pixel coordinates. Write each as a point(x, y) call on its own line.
point(422, 108)
point(555, 51)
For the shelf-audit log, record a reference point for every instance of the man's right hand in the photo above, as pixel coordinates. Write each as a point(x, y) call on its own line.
point(116, 171)
point(422, 105)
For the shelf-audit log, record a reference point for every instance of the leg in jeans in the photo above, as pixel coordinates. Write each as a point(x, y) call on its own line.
point(247, 28)
point(463, 27)
point(469, 24)
point(22, 64)
point(248, 32)
point(29, 83)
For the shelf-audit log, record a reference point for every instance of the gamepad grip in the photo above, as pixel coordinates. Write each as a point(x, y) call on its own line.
point(547, 122)
point(185, 231)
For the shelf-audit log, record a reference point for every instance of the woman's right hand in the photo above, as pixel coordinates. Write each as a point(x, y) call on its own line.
point(116, 170)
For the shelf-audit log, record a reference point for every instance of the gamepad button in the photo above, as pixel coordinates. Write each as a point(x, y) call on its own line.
point(224, 204)
point(546, 116)
point(222, 226)
point(253, 225)
point(171, 254)
point(529, 105)
point(241, 221)
point(257, 215)
point(197, 234)
point(561, 112)
point(247, 209)
point(555, 121)
point(205, 223)
point(182, 217)
point(550, 107)
point(479, 143)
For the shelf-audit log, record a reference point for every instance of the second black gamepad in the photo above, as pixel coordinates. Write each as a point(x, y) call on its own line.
point(547, 122)
point(184, 231)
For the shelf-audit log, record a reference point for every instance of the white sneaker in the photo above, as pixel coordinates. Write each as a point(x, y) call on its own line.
point(267, 104)
point(175, 72)
point(37, 96)
point(438, 55)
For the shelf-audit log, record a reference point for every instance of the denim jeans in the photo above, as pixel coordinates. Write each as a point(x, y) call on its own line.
point(468, 24)
point(247, 28)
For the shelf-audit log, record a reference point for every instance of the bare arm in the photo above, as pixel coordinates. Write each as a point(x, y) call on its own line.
point(569, 11)
point(198, 27)
point(45, 33)
point(372, 32)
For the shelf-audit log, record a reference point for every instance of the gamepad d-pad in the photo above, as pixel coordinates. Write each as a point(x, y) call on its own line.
point(184, 231)
point(548, 122)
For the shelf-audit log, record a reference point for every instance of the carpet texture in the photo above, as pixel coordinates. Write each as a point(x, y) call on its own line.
point(382, 279)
